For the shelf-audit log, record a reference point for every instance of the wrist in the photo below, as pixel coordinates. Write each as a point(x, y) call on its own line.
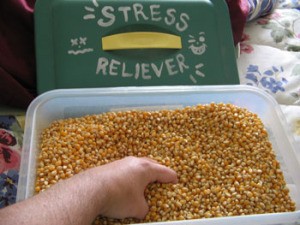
point(98, 190)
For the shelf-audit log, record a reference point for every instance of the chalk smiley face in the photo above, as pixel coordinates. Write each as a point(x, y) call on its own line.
point(197, 44)
point(78, 45)
point(79, 42)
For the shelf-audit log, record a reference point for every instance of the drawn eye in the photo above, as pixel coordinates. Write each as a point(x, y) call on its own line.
point(201, 39)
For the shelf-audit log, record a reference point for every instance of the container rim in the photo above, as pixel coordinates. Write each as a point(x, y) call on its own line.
point(276, 218)
point(65, 92)
point(85, 92)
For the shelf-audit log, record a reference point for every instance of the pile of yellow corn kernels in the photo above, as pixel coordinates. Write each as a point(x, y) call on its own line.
point(221, 153)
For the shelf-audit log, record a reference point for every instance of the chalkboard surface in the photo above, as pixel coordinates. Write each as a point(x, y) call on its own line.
point(107, 43)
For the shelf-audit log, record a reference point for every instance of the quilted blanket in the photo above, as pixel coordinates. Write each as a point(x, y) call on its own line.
point(270, 56)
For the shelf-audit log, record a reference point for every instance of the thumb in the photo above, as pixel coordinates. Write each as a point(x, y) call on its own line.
point(142, 209)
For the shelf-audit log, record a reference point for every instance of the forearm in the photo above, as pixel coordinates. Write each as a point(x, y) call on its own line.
point(114, 190)
point(73, 201)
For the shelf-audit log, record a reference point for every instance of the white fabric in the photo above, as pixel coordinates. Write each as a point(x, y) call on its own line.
point(270, 59)
point(292, 115)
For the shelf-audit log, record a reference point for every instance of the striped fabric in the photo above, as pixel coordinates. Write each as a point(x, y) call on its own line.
point(258, 8)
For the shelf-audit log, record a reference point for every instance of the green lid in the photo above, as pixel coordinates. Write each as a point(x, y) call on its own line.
point(107, 43)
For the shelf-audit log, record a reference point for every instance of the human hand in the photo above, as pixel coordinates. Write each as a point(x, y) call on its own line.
point(125, 181)
point(114, 190)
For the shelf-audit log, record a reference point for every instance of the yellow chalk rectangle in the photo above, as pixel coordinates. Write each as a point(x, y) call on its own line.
point(141, 40)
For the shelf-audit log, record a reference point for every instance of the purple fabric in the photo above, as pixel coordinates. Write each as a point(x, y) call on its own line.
point(238, 10)
point(17, 58)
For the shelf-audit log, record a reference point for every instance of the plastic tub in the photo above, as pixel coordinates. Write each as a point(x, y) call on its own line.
point(60, 104)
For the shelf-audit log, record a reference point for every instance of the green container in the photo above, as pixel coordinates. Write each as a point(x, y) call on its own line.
point(108, 43)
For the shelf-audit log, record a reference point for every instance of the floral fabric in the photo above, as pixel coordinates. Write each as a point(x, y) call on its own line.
point(280, 29)
point(11, 136)
point(270, 55)
point(270, 58)
point(289, 4)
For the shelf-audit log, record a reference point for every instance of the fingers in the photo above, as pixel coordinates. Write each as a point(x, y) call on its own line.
point(161, 173)
point(154, 170)
point(127, 185)
point(150, 160)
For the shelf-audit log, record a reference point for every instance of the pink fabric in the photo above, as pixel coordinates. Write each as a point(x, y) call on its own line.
point(17, 58)
point(238, 10)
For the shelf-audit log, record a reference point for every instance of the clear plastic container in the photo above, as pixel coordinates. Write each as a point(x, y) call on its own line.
point(60, 104)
